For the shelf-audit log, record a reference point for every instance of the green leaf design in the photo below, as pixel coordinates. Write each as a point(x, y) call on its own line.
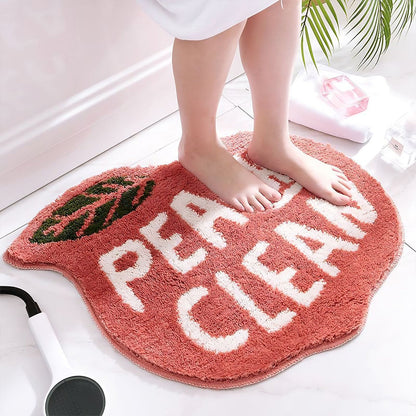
point(100, 216)
point(76, 218)
point(74, 205)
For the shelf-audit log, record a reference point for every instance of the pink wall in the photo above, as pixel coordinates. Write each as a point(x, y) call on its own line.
point(76, 77)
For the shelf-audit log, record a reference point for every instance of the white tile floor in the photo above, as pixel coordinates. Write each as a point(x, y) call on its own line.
point(374, 374)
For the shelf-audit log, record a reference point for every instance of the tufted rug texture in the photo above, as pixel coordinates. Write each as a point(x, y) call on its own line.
point(195, 291)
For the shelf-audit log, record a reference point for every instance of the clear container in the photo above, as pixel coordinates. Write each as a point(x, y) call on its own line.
point(344, 95)
point(400, 147)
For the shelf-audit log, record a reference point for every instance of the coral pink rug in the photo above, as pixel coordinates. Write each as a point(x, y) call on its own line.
point(193, 290)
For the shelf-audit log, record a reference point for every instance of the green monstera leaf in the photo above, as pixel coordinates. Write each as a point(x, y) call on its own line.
point(93, 210)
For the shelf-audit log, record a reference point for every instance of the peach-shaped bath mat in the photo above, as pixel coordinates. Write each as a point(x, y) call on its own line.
point(193, 290)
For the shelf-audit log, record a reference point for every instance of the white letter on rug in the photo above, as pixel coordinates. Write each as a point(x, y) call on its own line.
point(290, 232)
point(194, 331)
point(138, 270)
point(282, 280)
point(267, 322)
point(204, 223)
point(337, 214)
point(167, 247)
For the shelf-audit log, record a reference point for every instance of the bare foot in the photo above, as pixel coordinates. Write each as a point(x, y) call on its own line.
point(213, 165)
point(323, 180)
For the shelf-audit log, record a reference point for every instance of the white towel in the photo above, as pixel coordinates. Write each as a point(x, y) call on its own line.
point(309, 108)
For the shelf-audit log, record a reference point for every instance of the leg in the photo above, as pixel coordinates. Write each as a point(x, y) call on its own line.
point(268, 47)
point(200, 70)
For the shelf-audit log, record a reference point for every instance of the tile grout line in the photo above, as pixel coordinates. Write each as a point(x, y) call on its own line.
point(135, 163)
point(411, 248)
point(13, 231)
point(229, 100)
point(244, 111)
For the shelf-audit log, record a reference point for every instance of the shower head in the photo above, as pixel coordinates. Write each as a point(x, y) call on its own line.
point(70, 394)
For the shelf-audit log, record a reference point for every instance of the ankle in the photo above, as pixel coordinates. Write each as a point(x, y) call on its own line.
point(283, 154)
point(198, 143)
point(191, 149)
point(270, 141)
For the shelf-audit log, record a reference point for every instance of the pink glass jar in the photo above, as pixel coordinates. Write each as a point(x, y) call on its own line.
point(345, 96)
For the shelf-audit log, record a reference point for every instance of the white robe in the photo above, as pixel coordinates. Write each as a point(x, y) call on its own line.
point(200, 19)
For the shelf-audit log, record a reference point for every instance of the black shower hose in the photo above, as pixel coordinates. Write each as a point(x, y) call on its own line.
point(32, 307)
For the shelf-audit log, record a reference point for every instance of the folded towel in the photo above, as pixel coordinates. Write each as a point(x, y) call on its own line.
point(309, 108)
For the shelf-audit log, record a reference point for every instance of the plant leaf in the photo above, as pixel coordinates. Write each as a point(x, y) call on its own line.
point(308, 41)
point(372, 24)
point(372, 19)
point(403, 13)
point(320, 21)
point(319, 39)
point(328, 20)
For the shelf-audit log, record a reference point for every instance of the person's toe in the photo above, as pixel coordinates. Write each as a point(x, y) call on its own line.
point(340, 174)
point(337, 198)
point(245, 204)
point(337, 169)
point(237, 204)
point(347, 183)
point(270, 193)
point(338, 186)
point(255, 203)
point(264, 201)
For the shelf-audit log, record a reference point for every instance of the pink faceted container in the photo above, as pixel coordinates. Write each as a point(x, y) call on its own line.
point(345, 96)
